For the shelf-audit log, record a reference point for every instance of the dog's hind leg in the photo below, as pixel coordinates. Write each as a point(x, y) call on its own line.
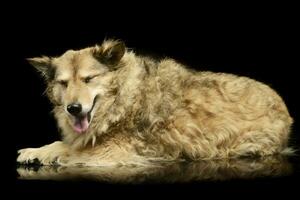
point(256, 143)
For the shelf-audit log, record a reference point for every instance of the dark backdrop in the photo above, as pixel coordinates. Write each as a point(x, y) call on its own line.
point(259, 42)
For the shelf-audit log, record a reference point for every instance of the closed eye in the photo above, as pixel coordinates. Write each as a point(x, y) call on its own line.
point(63, 83)
point(89, 78)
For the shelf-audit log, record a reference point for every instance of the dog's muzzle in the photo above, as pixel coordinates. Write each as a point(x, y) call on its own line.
point(82, 120)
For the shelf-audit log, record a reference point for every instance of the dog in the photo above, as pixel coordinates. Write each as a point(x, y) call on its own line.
point(115, 107)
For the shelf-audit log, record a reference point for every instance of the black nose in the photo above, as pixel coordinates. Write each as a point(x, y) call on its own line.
point(74, 109)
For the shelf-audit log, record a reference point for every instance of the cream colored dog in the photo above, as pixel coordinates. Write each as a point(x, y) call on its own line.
point(114, 107)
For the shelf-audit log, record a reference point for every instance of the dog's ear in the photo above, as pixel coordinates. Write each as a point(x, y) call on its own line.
point(110, 52)
point(43, 65)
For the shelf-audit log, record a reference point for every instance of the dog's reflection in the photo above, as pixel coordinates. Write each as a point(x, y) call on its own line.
point(165, 172)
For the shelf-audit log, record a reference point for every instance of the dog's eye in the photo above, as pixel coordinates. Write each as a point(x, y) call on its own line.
point(63, 83)
point(88, 79)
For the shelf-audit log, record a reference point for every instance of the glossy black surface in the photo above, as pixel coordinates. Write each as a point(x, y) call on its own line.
point(179, 172)
point(271, 176)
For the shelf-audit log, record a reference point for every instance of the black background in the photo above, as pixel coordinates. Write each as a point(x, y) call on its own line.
point(259, 41)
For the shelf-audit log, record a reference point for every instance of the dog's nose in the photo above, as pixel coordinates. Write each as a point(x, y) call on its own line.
point(74, 108)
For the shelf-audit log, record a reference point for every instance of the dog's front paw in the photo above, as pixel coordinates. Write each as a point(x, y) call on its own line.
point(36, 156)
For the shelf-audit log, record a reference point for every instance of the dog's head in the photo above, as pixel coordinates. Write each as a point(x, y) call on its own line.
point(78, 79)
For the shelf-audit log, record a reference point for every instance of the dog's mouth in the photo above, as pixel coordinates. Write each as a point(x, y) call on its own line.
point(81, 122)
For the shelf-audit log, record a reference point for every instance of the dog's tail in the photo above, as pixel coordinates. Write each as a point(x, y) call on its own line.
point(289, 151)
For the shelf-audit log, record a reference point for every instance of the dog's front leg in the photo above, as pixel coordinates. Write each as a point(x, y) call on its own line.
point(45, 155)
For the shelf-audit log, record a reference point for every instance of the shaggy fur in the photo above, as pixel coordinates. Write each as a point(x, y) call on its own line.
point(146, 110)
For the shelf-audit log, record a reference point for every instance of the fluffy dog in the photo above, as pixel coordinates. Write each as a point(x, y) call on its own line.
point(115, 107)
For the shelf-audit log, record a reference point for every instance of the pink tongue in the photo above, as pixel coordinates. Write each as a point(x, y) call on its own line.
point(81, 125)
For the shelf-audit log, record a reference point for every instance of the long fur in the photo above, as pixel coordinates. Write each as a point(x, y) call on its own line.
point(160, 110)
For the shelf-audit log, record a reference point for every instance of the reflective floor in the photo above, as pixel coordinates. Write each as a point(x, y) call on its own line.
point(180, 172)
point(271, 176)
